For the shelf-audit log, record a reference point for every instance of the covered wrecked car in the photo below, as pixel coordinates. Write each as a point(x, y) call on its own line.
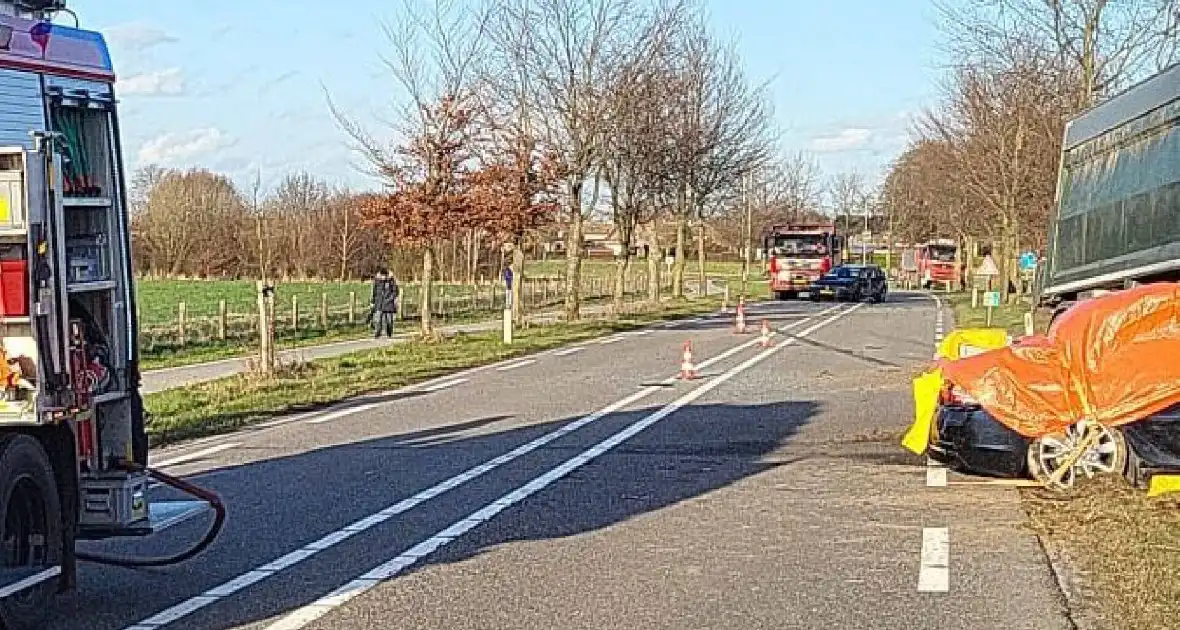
point(1099, 394)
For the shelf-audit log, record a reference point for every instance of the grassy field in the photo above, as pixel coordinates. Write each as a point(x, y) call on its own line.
point(226, 404)
point(322, 312)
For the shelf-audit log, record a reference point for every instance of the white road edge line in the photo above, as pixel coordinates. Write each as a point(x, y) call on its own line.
point(262, 572)
point(188, 457)
point(934, 574)
point(518, 364)
point(305, 615)
point(569, 351)
point(29, 582)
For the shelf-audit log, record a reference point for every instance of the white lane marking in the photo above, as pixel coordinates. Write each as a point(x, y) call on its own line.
point(610, 340)
point(936, 477)
point(305, 615)
point(639, 333)
point(341, 413)
point(29, 582)
point(226, 589)
point(188, 457)
point(934, 574)
point(517, 364)
point(568, 351)
point(445, 384)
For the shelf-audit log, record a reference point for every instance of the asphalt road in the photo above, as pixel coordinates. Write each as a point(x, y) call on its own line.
point(581, 488)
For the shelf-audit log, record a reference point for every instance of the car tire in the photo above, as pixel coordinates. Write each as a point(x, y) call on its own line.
point(1041, 452)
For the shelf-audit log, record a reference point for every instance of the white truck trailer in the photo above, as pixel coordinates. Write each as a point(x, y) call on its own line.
point(73, 446)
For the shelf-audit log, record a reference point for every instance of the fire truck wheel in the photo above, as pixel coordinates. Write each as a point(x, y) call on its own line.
point(30, 527)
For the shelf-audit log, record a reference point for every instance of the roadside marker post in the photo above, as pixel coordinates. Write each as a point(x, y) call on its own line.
point(740, 325)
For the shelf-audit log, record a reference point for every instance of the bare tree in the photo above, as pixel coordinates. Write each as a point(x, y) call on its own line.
point(563, 62)
point(1105, 44)
point(720, 132)
point(435, 59)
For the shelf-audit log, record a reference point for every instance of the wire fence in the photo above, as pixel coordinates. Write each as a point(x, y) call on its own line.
point(300, 312)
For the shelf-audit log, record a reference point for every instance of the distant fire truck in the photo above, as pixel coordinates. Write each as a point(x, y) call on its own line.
point(799, 254)
point(936, 262)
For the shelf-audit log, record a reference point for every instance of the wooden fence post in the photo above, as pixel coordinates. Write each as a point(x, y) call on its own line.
point(181, 324)
point(295, 313)
point(222, 320)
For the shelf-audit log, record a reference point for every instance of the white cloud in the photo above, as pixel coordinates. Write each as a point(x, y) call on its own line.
point(168, 82)
point(138, 36)
point(175, 149)
point(847, 140)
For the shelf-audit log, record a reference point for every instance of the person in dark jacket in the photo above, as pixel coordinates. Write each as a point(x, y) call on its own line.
point(389, 304)
point(377, 303)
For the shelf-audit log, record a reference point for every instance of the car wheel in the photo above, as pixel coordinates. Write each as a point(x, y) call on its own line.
point(1046, 454)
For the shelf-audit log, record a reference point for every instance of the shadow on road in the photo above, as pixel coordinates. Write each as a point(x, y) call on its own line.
point(279, 505)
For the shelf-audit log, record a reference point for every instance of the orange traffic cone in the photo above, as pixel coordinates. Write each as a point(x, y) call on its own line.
point(740, 324)
point(765, 340)
point(688, 371)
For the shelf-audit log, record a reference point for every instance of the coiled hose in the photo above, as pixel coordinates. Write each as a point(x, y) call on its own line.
point(188, 488)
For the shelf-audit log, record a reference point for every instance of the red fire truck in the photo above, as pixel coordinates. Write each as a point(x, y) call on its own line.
point(798, 254)
point(937, 262)
point(73, 443)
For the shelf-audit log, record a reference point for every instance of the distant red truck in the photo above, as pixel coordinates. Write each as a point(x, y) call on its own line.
point(798, 254)
point(937, 262)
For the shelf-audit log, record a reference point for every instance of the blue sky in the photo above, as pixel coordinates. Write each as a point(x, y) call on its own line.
point(237, 86)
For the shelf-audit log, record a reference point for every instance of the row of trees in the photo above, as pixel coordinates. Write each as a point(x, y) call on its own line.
point(519, 112)
point(982, 166)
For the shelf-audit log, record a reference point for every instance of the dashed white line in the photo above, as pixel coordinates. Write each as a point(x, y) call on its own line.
point(569, 351)
point(305, 615)
point(935, 477)
point(188, 457)
point(245, 580)
point(445, 384)
point(516, 364)
point(610, 340)
point(341, 413)
point(934, 574)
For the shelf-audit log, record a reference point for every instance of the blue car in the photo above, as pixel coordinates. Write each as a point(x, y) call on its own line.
point(852, 283)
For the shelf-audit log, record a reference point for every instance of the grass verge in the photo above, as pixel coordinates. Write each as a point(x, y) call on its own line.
point(1008, 316)
point(239, 401)
point(1126, 546)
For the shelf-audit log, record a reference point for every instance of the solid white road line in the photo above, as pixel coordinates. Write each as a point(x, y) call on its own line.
point(516, 364)
point(29, 582)
point(569, 351)
point(934, 574)
point(188, 457)
point(610, 340)
point(307, 614)
point(226, 589)
point(341, 413)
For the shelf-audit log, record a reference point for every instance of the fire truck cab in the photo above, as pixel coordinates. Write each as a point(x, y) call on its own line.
point(937, 262)
point(798, 254)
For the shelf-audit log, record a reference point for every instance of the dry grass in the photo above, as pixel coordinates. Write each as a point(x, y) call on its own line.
point(1126, 545)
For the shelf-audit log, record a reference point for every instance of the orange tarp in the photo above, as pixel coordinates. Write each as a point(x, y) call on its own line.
point(1114, 359)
